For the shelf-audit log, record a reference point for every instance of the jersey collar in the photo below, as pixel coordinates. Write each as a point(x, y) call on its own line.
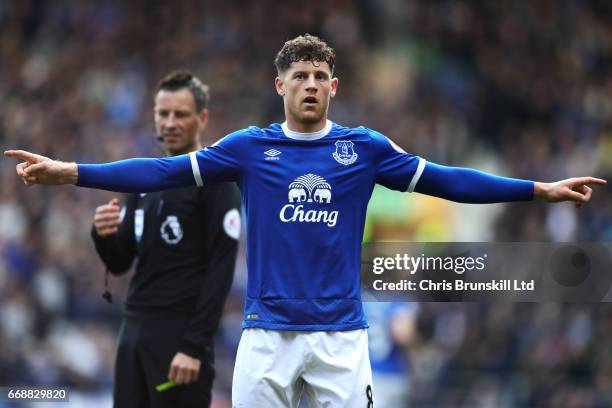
point(307, 136)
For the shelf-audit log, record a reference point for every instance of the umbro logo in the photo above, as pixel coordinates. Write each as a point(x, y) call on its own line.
point(272, 154)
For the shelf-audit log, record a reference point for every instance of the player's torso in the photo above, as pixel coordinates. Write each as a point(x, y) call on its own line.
point(317, 185)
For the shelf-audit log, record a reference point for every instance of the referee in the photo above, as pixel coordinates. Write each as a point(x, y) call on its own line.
point(185, 241)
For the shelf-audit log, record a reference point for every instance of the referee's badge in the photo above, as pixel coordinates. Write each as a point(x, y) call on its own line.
point(344, 154)
point(171, 230)
point(231, 223)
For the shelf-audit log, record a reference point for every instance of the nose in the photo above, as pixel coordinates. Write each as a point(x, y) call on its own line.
point(170, 122)
point(311, 83)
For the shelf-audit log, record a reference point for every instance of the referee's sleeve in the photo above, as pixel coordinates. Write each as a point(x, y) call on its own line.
point(222, 208)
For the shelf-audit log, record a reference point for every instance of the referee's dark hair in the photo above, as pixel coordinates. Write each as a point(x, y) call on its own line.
point(183, 79)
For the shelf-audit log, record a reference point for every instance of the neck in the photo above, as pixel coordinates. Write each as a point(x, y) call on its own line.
point(189, 149)
point(302, 127)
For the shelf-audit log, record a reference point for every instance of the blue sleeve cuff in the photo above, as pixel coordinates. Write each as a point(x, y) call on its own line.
point(138, 175)
point(471, 186)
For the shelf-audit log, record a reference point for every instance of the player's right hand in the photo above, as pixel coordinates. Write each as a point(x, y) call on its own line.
point(107, 218)
point(37, 169)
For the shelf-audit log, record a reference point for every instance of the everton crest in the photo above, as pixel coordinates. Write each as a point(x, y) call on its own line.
point(345, 154)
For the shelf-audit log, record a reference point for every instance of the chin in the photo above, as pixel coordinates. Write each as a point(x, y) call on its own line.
point(174, 150)
point(310, 117)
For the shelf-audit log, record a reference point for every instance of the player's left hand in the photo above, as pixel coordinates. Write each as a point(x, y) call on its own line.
point(184, 369)
point(573, 189)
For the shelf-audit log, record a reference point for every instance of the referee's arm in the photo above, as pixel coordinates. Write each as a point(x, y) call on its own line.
point(221, 248)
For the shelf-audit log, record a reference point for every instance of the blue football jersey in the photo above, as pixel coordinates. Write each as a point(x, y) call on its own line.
point(305, 197)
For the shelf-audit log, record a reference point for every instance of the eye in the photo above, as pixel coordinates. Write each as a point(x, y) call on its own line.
point(300, 75)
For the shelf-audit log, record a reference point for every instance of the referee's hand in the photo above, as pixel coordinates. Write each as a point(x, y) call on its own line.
point(107, 218)
point(184, 369)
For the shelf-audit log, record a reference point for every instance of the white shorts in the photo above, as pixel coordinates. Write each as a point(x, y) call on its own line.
point(273, 367)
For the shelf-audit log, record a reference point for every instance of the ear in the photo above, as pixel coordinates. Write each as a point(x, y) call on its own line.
point(334, 87)
point(280, 86)
point(203, 117)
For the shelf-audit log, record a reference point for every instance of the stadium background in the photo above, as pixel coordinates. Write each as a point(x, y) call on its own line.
point(520, 88)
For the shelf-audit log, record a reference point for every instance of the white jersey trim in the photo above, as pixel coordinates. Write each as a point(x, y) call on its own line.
point(307, 136)
point(196, 169)
point(417, 174)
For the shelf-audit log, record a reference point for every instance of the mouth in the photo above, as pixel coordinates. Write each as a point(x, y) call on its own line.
point(310, 101)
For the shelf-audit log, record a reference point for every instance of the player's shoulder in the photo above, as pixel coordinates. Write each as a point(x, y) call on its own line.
point(236, 136)
point(341, 131)
point(383, 142)
point(359, 133)
point(272, 131)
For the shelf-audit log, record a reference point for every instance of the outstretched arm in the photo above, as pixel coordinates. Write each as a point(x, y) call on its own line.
point(133, 175)
point(472, 186)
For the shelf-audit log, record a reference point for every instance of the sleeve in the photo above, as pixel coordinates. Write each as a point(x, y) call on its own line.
point(397, 170)
point(471, 186)
point(118, 251)
point(222, 208)
point(221, 162)
point(138, 175)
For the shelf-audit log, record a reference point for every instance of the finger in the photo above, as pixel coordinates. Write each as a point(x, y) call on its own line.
point(180, 376)
point(21, 168)
point(588, 192)
point(107, 231)
point(35, 169)
point(107, 208)
point(106, 224)
point(191, 375)
point(582, 188)
point(574, 196)
point(106, 216)
point(588, 180)
point(23, 155)
point(172, 373)
point(107, 212)
point(194, 375)
point(114, 201)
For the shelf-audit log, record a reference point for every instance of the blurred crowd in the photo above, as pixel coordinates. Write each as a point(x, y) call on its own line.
point(521, 88)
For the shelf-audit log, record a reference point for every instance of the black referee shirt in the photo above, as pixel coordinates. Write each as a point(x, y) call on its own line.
point(186, 242)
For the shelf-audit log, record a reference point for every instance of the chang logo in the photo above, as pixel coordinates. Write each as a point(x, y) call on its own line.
point(308, 188)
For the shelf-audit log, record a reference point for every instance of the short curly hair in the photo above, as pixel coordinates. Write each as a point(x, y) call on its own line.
point(183, 79)
point(304, 48)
